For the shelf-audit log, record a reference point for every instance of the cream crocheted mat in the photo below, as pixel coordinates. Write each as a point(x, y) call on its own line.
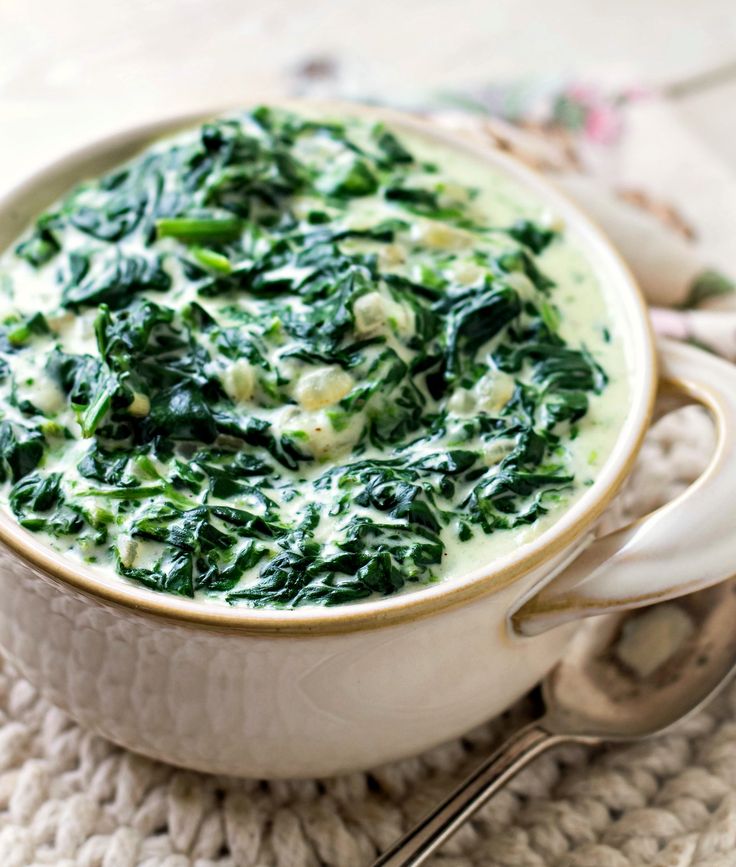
point(71, 799)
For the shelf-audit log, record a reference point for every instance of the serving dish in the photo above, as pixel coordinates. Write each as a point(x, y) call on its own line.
point(315, 691)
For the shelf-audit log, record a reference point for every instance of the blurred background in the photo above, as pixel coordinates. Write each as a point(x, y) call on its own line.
point(71, 70)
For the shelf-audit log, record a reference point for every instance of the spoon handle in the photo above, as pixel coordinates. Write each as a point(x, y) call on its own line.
point(432, 831)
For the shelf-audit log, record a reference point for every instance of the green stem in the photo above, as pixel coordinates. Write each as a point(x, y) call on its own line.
point(193, 230)
point(95, 412)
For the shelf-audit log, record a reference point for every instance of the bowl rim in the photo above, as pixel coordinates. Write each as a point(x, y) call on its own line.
point(385, 611)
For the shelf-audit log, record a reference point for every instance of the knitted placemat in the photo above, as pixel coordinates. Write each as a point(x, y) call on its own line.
point(71, 799)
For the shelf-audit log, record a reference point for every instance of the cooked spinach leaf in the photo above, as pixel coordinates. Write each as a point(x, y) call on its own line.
point(277, 371)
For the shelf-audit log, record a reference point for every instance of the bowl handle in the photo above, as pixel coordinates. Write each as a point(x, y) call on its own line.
point(686, 545)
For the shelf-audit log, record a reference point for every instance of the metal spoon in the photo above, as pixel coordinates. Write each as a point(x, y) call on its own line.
point(623, 677)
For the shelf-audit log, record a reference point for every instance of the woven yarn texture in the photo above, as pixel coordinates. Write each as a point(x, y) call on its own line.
point(68, 798)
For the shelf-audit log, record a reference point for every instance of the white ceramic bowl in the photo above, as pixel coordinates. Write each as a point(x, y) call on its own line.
point(314, 691)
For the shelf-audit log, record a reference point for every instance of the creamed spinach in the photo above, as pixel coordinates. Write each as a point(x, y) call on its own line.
point(281, 360)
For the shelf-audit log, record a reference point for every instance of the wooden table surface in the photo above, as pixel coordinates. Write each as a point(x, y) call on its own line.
point(76, 69)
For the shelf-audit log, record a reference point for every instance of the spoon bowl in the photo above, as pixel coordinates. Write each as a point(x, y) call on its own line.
point(624, 676)
point(634, 675)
